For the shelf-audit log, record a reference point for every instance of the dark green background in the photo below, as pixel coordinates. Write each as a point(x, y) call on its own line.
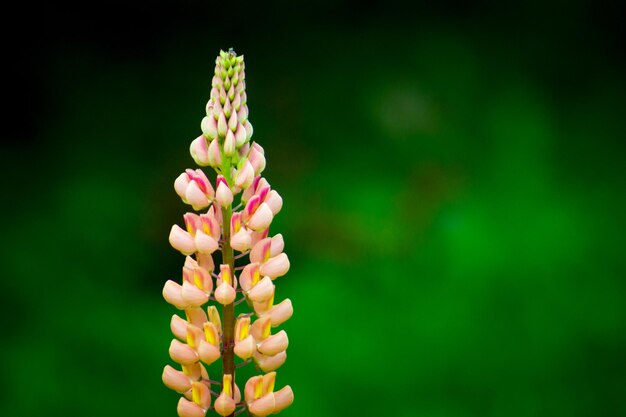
point(453, 202)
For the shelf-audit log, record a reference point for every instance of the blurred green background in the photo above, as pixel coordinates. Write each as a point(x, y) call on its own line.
point(453, 193)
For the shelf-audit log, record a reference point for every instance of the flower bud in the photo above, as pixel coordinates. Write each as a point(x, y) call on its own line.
point(223, 194)
point(257, 158)
point(242, 114)
point(225, 293)
point(214, 318)
point(214, 156)
point(240, 135)
point(250, 192)
point(209, 127)
point(232, 123)
point(225, 404)
point(199, 150)
point(227, 108)
point(249, 129)
point(217, 110)
point(222, 125)
point(229, 144)
point(245, 176)
point(231, 92)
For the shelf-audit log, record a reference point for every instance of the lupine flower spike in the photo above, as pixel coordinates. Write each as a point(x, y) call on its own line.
point(203, 335)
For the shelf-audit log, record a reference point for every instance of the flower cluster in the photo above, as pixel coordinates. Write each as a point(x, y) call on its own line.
point(205, 336)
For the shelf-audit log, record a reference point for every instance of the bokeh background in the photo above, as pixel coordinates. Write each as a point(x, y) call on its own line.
point(454, 204)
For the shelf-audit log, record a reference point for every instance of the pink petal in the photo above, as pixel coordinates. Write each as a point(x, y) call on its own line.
point(182, 353)
point(207, 352)
point(180, 185)
point(199, 150)
point(175, 380)
point(283, 398)
point(178, 327)
point(276, 267)
point(192, 222)
point(201, 394)
point(261, 218)
point(192, 295)
point(245, 348)
point(172, 294)
point(181, 240)
point(280, 313)
point(225, 293)
point(251, 206)
point(250, 388)
point(224, 405)
point(214, 154)
point(275, 201)
point(187, 408)
point(257, 158)
point(261, 250)
point(209, 127)
point(274, 344)
point(222, 125)
point(205, 243)
point(223, 195)
point(277, 246)
point(245, 176)
point(263, 406)
point(229, 144)
point(196, 316)
point(195, 196)
point(262, 291)
point(245, 279)
point(240, 135)
point(241, 240)
point(270, 363)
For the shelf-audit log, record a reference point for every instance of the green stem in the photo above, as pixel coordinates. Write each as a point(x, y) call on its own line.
point(228, 311)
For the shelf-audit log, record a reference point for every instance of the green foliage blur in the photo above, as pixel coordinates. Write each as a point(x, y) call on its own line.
point(453, 208)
